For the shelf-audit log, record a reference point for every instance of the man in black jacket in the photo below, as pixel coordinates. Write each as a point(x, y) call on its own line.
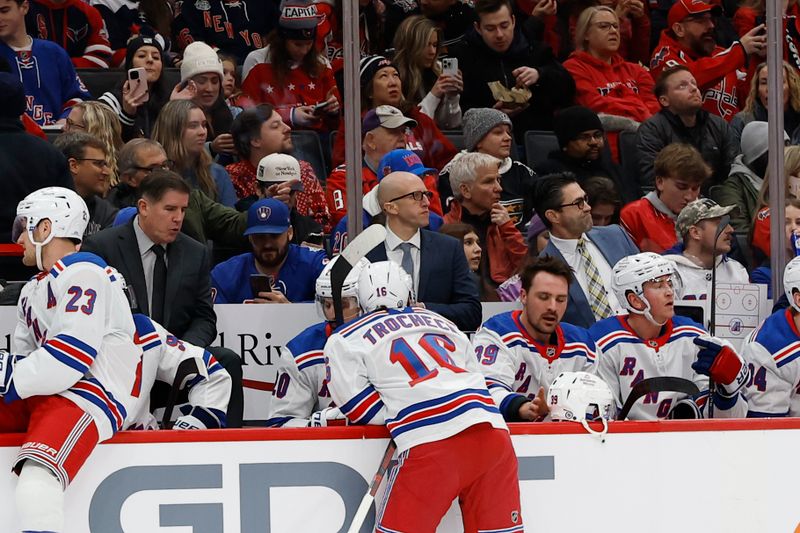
point(496, 51)
point(682, 119)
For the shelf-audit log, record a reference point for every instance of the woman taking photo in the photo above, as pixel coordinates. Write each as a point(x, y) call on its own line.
point(294, 77)
point(417, 45)
point(137, 111)
point(182, 129)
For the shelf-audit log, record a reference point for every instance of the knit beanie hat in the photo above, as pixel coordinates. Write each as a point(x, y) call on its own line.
point(135, 44)
point(479, 121)
point(572, 121)
point(370, 66)
point(298, 20)
point(754, 141)
point(12, 94)
point(199, 58)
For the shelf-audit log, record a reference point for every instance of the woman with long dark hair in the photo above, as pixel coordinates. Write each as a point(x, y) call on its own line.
point(137, 113)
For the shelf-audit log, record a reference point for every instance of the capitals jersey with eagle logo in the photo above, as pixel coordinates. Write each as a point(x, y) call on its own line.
point(74, 338)
point(209, 387)
point(772, 352)
point(625, 359)
point(721, 77)
point(411, 369)
point(301, 387)
point(516, 365)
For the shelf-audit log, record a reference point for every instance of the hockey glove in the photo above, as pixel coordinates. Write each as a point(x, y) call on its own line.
point(722, 364)
point(6, 371)
point(199, 418)
point(326, 417)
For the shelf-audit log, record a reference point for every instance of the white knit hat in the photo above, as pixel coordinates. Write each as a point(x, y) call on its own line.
point(199, 58)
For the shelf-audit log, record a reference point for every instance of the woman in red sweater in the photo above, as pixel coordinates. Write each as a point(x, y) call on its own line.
point(294, 77)
point(381, 85)
point(604, 81)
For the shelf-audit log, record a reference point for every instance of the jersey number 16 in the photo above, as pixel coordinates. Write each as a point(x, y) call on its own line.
point(438, 347)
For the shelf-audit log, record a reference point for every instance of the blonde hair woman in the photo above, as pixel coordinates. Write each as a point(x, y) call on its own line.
point(759, 233)
point(98, 120)
point(182, 129)
point(418, 44)
point(755, 107)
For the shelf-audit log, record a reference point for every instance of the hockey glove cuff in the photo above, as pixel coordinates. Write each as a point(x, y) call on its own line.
point(7, 361)
point(722, 364)
point(326, 417)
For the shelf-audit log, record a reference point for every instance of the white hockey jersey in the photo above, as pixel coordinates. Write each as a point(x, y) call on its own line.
point(772, 352)
point(300, 385)
point(411, 368)
point(516, 365)
point(209, 388)
point(74, 337)
point(625, 359)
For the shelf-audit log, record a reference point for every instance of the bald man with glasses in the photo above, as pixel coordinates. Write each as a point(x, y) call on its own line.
point(435, 262)
point(590, 252)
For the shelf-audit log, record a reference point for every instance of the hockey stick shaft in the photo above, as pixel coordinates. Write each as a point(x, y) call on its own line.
point(352, 254)
point(369, 497)
point(712, 326)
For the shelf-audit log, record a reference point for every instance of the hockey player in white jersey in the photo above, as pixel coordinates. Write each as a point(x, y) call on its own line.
point(209, 385)
point(414, 370)
point(69, 380)
point(772, 353)
point(651, 341)
point(522, 352)
point(300, 397)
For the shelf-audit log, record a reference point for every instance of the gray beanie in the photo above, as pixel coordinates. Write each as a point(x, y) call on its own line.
point(480, 121)
point(754, 141)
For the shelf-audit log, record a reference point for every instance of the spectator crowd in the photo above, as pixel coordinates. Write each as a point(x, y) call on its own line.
point(207, 140)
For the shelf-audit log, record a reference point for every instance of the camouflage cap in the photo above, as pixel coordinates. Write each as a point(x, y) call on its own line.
point(700, 209)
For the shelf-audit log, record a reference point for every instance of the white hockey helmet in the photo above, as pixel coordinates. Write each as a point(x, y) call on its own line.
point(349, 287)
point(632, 272)
point(791, 280)
point(64, 208)
point(581, 397)
point(384, 284)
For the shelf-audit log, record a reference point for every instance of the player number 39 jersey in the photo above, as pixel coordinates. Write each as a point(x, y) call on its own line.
point(412, 368)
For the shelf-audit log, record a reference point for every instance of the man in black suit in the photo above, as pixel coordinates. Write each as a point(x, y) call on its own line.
point(436, 262)
point(169, 272)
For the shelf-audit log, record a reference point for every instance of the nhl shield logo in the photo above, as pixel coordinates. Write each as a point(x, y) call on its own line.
point(202, 5)
point(263, 213)
point(515, 516)
point(551, 351)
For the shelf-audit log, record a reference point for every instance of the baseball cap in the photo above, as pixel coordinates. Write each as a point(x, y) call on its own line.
point(267, 216)
point(400, 160)
point(385, 116)
point(684, 8)
point(700, 209)
point(277, 168)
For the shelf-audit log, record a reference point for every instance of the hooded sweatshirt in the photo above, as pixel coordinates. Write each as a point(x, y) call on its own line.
point(740, 189)
point(650, 223)
point(697, 280)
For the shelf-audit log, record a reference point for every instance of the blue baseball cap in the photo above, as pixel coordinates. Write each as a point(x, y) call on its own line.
point(401, 160)
point(267, 216)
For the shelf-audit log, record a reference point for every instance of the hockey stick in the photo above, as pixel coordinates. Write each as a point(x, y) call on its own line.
point(185, 369)
point(712, 326)
point(659, 384)
point(352, 253)
point(369, 497)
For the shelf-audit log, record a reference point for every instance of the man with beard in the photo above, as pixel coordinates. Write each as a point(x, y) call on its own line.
point(521, 352)
point(682, 119)
point(290, 270)
point(689, 40)
point(590, 252)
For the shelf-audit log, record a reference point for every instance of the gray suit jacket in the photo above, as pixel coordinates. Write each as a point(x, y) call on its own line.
point(188, 313)
point(614, 243)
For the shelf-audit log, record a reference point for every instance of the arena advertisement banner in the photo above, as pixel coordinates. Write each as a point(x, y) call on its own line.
point(258, 333)
point(645, 476)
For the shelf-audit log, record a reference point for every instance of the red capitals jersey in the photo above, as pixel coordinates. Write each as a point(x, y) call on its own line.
point(721, 77)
